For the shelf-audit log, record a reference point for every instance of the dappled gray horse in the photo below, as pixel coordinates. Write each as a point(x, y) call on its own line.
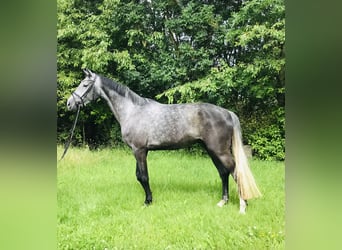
point(149, 125)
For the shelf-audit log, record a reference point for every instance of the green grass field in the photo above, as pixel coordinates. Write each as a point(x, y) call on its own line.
point(100, 204)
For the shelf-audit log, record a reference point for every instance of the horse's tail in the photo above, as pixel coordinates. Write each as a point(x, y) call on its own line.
point(244, 177)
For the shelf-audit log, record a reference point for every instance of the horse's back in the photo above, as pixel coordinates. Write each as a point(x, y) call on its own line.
point(177, 125)
point(190, 115)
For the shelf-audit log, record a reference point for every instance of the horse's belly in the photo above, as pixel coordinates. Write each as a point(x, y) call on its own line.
point(172, 139)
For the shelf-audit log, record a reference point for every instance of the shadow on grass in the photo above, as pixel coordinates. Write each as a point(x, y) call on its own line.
point(197, 189)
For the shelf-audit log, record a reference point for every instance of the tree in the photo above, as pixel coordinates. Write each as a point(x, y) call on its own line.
point(229, 53)
point(250, 77)
point(84, 40)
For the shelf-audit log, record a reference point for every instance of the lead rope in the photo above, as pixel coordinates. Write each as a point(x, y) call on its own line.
point(67, 144)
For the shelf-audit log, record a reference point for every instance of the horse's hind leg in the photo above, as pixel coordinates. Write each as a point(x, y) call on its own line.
point(142, 173)
point(224, 165)
point(243, 203)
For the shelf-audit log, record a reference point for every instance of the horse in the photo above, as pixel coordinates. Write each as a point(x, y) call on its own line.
point(149, 125)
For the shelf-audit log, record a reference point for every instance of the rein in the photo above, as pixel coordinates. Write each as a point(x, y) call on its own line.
point(71, 134)
point(67, 144)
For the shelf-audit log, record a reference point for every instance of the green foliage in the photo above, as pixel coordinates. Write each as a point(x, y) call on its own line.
point(251, 82)
point(268, 143)
point(230, 53)
point(265, 132)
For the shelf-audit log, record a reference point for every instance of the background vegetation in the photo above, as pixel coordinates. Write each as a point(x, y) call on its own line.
point(229, 53)
point(100, 204)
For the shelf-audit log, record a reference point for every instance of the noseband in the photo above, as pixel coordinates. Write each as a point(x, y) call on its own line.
point(80, 97)
point(73, 94)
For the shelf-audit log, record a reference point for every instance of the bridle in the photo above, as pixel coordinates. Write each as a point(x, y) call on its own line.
point(73, 94)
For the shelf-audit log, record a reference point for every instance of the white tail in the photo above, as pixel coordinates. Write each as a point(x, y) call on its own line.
point(245, 180)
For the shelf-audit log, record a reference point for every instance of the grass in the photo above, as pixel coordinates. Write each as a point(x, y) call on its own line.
point(100, 204)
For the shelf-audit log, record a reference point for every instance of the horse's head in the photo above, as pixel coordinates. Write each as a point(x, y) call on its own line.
point(85, 92)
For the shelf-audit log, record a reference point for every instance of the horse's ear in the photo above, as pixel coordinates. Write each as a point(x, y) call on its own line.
point(86, 72)
point(91, 74)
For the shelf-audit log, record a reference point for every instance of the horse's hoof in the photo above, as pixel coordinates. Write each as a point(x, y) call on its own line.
point(221, 203)
point(147, 202)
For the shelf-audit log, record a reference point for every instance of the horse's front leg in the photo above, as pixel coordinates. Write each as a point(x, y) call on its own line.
point(142, 173)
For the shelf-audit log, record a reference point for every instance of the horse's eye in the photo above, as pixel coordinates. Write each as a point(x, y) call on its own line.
point(86, 83)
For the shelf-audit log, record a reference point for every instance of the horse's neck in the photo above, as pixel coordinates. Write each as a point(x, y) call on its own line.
point(119, 105)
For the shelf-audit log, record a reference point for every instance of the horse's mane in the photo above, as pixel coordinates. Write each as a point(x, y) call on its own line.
point(125, 91)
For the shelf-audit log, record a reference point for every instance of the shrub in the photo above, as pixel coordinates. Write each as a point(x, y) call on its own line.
point(268, 143)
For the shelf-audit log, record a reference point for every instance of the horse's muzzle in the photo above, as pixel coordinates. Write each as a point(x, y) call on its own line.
point(71, 104)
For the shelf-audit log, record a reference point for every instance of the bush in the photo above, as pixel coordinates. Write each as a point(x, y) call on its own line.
point(265, 132)
point(268, 143)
